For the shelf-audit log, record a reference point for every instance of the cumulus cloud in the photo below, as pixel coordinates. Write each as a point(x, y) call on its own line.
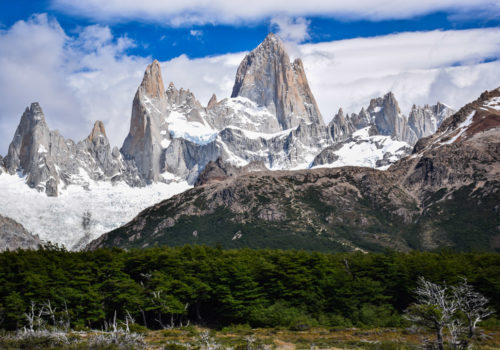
point(78, 79)
point(233, 12)
point(203, 76)
point(419, 67)
point(294, 30)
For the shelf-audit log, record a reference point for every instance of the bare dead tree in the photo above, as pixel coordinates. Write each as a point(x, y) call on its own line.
point(34, 317)
point(157, 300)
point(65, 320)
point(472, 304)
point(50, 311)
point(433, 310)
point(128, 321)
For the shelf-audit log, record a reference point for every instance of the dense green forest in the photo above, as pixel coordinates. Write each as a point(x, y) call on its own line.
point(160, 287)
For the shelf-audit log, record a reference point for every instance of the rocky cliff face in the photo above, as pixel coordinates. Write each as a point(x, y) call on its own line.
point(445, 194)
point(424, 121)
point(341, 128)
point(148, 128)
point(14, 236)
point(50, 161)
point(267, 77)
point(385, 115)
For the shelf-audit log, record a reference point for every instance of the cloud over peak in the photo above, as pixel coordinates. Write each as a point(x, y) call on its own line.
point(187, 12)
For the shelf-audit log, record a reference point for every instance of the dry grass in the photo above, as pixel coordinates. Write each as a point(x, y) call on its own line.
point(318, 338)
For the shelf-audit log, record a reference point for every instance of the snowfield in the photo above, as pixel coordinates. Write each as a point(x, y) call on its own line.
point(78, 216)
point(365, 150)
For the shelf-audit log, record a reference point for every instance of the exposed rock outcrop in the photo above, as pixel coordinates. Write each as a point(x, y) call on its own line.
point(220, 170)
point(341, 128)
point(50, 161)
point(267, 77)
point(14, 236)
point(148, 128)
point(424, 121)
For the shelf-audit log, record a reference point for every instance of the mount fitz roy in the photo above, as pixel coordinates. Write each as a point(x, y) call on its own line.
point(271, 117)
point(271, 121)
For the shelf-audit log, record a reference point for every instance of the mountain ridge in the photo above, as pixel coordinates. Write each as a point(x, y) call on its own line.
point(424, 201)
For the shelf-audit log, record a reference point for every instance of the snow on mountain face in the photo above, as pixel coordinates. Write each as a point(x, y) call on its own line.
point(364, 148)
point(78, 215)
point(476, 117)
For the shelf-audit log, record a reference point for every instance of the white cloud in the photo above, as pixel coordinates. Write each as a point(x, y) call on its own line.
point(233, 12)
point(196, 33)
point(292, 30)
point(77, 80)
point(80, 79)
point(419, 67)
point(204, 76)
point(348, 73)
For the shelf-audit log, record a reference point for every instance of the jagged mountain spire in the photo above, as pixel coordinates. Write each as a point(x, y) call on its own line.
point(143, 144)
point(97, 131)
point(267, 77)
point(152, 83)
point(212, 102)
point(31, 138)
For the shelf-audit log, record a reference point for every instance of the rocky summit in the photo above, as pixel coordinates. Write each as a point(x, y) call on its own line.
point(267, 77)
point(445, 194)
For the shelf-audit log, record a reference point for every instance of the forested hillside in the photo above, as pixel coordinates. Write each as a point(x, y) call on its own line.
point(214, 287)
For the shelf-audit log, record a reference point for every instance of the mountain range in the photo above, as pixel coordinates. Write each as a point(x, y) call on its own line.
point(269, 125)
point(445, 194)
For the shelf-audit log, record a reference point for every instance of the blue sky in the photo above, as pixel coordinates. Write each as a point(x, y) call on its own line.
point(163, 41)
point(82, 60)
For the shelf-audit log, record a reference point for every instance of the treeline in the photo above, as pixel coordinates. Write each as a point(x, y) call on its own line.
point(163, 287)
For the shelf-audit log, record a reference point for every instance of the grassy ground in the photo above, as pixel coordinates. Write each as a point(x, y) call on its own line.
point(238, 338)
point(243, 338)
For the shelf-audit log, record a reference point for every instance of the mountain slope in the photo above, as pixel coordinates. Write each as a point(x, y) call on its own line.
point(14, 236)
point(445, 194)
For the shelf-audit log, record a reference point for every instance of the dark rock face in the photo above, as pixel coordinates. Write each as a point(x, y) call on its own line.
point(445, 194)
point(14, 236)
point(219, 171)
point(267, 77)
